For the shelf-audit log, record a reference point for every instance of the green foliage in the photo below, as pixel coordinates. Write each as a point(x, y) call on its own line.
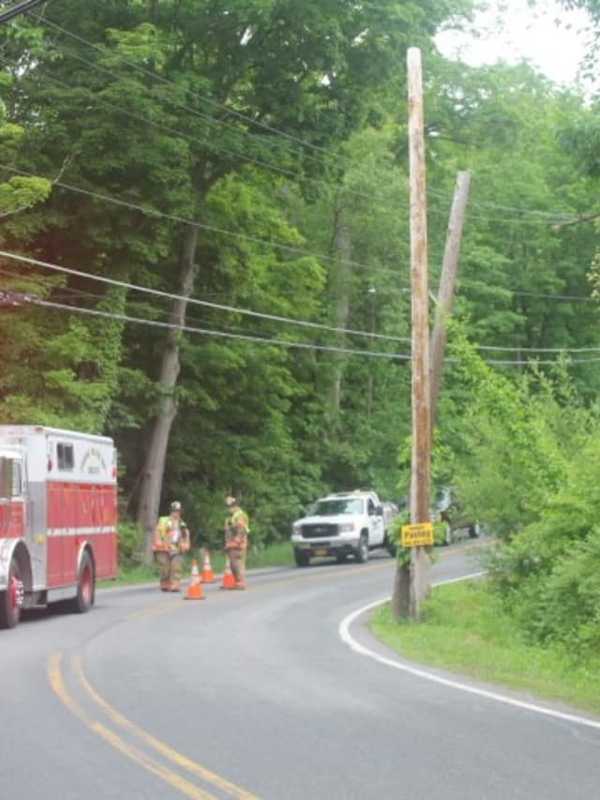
point(529, 471)
point(508, 448)
point(549, 574)
point(467, 630)
point(131, 541)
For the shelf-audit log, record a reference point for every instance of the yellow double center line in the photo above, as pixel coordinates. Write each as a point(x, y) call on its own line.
point(140, 757)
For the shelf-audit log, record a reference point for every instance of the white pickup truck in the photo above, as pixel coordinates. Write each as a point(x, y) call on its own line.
point(340, 525)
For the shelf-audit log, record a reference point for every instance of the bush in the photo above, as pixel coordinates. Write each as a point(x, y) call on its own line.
point(549, 575)
point(131, 542)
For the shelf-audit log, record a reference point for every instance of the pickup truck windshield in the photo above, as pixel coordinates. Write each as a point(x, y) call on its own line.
point(329, 508)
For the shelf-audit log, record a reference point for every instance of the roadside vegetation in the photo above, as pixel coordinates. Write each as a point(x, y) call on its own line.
point(467, 630)
point(524, 456)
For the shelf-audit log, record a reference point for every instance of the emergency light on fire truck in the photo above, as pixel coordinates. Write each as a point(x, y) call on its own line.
point(58, 518)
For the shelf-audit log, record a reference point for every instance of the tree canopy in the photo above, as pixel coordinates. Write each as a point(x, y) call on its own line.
point(245, 163)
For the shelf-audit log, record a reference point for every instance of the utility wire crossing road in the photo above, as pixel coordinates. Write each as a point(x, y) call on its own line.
point(255, 695)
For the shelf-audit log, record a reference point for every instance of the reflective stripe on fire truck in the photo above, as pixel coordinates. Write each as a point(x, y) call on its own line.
point(81, 531)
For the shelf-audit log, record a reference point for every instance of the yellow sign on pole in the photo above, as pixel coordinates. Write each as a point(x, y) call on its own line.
point(420, 535)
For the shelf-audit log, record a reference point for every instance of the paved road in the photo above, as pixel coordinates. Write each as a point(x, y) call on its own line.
point(253, 695)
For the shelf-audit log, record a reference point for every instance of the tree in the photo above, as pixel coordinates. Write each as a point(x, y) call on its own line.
point(189, 71)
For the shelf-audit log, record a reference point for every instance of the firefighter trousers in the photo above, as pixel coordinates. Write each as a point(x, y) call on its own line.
point(171, 567)
point(237, 561)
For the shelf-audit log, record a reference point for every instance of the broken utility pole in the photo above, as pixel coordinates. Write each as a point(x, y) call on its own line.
point(445, 299)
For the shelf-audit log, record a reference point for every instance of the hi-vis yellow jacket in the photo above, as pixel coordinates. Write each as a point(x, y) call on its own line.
point(170, 536)
point(237, 529)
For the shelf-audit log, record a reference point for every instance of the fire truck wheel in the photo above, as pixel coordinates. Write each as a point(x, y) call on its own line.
point(86, 586)
point(11, 599)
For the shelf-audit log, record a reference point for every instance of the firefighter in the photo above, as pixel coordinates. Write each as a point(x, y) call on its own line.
point(171, 541)
point(236, 541)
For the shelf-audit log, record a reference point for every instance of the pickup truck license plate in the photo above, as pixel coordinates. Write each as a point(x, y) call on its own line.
point(320, 551)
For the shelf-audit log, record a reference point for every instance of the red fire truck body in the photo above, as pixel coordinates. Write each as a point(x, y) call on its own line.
point(58, 517)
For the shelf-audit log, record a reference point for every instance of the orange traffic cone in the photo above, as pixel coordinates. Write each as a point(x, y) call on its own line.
point(228, 579)
point(194, 591)
point(208, 576)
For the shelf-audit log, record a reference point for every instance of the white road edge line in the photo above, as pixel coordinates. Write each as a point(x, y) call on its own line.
point(347, 638)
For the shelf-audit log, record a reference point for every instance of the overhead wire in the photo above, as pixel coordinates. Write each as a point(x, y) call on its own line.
point(19, 8)
point(481, 287)
point(210, 101)
point(289, 248)
point(125, 318)
point(195, 301)
point(552, 219)
point(67, 294)
point(192, 301)
point(212, 145)
point(277, 342)
point(154, 213)
point(151, 212)
point(552, 216)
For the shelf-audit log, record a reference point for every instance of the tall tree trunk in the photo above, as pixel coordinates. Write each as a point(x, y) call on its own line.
point(158, 440)
point(340, 292)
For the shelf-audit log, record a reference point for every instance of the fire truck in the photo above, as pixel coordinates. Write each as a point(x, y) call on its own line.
point(58, 518)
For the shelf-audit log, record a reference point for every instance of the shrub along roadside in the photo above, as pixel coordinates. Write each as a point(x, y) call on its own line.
point(465, 629)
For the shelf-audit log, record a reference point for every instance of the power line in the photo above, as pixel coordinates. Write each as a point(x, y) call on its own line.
point(20, 8)
point(210, 101)
point(250, 120)
point(560, 218)
point(194, 301)
point(274, 342)
point(68, 294)
point(219, 334)
point(212, 145)
point(481, 287)
point(150, 212)
point(551, 216)
point(280, 319)
point(514, 349)
point(251, 159)
point(280, 245)
point(569, 297)
point(535, 362)
point(269, 243)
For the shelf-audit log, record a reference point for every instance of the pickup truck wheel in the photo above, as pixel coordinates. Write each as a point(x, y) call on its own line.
point(301, 558)
point(389, 546)
point(362, 551)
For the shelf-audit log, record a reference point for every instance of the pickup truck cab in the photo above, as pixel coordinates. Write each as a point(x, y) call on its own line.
point(339, 525)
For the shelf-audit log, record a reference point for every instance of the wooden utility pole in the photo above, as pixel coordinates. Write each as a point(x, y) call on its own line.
point(412, 584)
point(421, 396)
point(448, 281)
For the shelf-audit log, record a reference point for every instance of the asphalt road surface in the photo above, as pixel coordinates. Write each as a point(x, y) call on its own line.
point(254, 695)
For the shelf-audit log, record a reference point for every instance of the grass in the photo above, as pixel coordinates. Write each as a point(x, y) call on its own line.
point(275, 555)
point(465, 630)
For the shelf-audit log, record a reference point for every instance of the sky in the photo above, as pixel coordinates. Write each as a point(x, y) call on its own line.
point(522, 32)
